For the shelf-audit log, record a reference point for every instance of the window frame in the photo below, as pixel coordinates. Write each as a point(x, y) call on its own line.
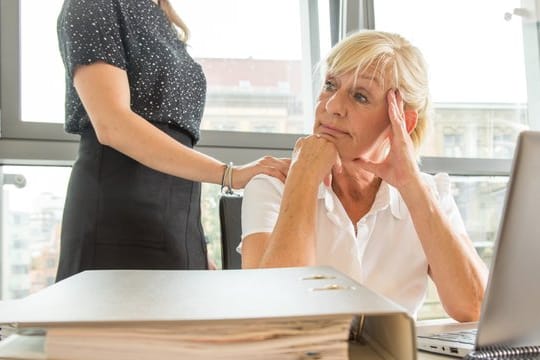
point(11, 127)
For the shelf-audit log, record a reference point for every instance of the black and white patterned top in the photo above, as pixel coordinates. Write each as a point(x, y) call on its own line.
point(166, 84)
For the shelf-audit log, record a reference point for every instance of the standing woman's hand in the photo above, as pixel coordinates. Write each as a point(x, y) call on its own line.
point(399, 168)
point(269, 165)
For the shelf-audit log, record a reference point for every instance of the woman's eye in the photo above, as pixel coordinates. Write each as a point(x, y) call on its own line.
point(360, 98)
point(329, 85)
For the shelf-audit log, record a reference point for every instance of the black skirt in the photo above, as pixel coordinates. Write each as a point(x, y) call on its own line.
point(120, 214)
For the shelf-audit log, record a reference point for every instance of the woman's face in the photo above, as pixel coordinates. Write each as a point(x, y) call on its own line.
point(354, 111)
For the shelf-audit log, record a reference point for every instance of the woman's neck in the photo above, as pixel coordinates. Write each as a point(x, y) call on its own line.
point(356, 191)
point(354, 186)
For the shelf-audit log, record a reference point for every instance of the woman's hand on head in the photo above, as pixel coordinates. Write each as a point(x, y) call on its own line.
point(269, 165)
point(399, 167)
point(317, 156)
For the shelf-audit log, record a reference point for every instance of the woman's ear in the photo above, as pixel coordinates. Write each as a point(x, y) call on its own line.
point(411, 119)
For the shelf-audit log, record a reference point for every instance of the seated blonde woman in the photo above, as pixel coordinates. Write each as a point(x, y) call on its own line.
point(354, 197)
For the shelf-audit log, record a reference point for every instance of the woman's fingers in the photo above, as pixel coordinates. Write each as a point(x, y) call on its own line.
point(396, 112)
point(269, 165)
point(276, 167)
point(280, 164)
point(275, 172)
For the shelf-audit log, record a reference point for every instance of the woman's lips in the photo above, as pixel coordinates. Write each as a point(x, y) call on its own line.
point(324, 129)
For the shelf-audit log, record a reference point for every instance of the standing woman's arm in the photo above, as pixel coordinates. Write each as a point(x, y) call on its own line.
point(104, 92)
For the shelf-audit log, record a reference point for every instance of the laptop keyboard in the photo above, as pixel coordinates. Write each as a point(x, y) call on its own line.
point(462, 336)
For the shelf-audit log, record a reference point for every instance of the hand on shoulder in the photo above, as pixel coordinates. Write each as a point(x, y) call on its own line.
point(269, 165)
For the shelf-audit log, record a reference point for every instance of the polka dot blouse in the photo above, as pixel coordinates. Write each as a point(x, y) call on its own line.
point(166, 85)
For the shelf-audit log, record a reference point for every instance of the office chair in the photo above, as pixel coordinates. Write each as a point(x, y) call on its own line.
point(230, 207)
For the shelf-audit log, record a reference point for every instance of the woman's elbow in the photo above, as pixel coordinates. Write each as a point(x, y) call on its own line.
point(466, 313)
point(467, 310)
point(107, 129)
point(103, 136)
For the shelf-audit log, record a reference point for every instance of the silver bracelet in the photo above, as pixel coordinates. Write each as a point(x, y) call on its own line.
point(226, 180)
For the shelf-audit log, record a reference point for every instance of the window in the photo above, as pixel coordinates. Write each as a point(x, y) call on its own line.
point(480, 105)
point(477, 71)
point(42, 72)
point(30, 221)
point(32, 98)
point(480, 200)
point(480, 93)
point(253, 65)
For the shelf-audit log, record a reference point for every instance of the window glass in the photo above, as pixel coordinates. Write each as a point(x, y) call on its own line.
point(30, 219)
point(477, 71)
point(42, 72)
point(324, 27)
point(210, 221)
point(251, 53)
point(480, 201)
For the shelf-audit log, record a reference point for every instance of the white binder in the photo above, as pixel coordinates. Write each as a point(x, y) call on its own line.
point(172, 303)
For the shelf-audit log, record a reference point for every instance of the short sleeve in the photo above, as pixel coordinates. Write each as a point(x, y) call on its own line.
point(443, 188)
point(90, 31)
point(260, 205)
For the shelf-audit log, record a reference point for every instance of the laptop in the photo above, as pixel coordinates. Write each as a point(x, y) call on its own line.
point(510, 314)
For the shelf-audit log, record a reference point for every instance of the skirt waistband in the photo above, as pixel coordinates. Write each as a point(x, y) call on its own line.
point(173, 130)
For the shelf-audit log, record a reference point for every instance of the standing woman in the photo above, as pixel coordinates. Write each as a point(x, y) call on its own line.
point(136, 98)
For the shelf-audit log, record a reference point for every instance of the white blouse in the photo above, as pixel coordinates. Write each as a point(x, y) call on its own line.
point(384, 254)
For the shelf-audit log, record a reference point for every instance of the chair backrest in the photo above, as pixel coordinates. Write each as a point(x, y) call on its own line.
point(230, 208)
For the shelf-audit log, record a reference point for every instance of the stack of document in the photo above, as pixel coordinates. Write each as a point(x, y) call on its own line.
point(260, 339)
point(288, 313)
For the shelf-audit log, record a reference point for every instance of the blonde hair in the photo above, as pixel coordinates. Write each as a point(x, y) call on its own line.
point(173, 17)
point(397, 63)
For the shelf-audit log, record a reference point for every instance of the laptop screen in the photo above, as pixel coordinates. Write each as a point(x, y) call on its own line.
point(510, 312)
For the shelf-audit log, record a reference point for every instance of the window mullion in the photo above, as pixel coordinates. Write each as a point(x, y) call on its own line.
point(531, 48)
point(309, 19)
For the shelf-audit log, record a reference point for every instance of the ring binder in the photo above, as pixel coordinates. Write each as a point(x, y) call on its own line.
point(505, 352)
point(357, 329)
point(280, 317)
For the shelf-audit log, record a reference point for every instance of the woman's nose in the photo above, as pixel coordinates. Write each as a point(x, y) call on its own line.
point(335, 105)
